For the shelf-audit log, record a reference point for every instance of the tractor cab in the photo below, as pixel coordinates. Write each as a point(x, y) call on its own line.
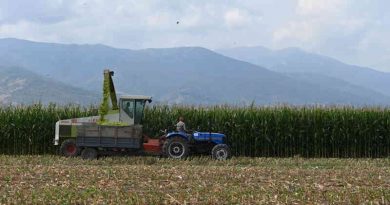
point(131, 108)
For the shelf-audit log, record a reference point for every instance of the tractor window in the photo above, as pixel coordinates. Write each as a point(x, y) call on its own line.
point(139, 111)
point(128, 107)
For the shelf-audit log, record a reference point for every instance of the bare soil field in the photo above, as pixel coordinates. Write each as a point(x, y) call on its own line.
point(150, 180)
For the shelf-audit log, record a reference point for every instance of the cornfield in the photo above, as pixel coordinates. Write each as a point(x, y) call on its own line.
point(30, 129)
point(252, 131)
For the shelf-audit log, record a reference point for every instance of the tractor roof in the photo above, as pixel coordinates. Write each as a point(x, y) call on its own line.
point(136, 97)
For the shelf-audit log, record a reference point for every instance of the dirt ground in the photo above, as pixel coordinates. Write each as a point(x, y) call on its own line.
point(149, 180)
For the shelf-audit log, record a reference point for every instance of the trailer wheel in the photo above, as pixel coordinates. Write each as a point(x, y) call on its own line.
point(69, 148)
point(89, 153)
point(220, 152)
point(176, 148)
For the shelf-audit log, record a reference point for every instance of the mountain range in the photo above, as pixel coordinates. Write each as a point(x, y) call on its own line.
point(298, 62)
point(20, 86)
point(190, 75)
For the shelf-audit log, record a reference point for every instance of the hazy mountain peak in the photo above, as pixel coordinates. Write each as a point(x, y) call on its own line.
point(185, 74)
point(296, 60)
point(178, 50)
point(20, 86)
point(293, 50)
point(15, 40)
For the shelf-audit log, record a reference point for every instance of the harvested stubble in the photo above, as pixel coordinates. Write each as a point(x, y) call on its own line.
point(149, 180)
point(252, 131)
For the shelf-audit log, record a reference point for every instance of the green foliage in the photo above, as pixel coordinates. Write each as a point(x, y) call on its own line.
point(251, 131)
point(285, 131)
point(30, 129)
point(104, 106)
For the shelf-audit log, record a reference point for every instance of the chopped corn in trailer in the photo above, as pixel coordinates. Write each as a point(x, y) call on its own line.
point(119, 131)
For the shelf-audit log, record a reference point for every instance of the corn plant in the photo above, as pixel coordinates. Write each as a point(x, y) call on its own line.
point(252, 131)
point(286, 131)
point(30, 129)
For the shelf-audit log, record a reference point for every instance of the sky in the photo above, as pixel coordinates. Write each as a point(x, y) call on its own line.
point(353, 31)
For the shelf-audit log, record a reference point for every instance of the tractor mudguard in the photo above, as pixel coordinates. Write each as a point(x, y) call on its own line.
point(174, 134)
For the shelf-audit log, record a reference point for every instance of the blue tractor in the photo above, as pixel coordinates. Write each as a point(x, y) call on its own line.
point(179, 145)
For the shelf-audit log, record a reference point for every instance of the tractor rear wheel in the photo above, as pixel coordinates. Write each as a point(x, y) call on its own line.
point(176, 148)
point(89, 153)
point(220, 152)
point(69, 148)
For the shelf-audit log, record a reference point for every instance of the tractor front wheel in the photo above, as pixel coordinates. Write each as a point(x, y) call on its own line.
point(176, 148)
point(89, 153)
point(220, 152)
point(69, 148)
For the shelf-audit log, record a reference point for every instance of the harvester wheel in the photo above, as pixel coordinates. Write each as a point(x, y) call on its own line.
point(69, 148)
point(176, 148)
point(220, 152)
point(89, 153)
